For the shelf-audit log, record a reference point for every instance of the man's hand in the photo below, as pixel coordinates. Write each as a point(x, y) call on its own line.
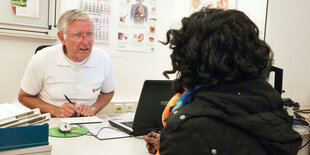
point(86, 110)
point(67, 110)
point(152, 142)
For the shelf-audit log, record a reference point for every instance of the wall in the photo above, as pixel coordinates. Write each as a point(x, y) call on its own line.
point(130, 68)
point(15, 54)
point(288, 35)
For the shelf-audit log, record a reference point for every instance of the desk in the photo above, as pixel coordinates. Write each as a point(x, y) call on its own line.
point(303, 131)
point(90, 145)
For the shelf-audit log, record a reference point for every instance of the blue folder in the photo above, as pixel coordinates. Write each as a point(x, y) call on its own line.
point(24, 136)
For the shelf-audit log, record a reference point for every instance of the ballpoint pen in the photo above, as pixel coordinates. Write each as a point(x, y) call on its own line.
point(74, 114)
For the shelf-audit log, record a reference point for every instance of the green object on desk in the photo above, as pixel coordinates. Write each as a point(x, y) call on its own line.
point(75, 132)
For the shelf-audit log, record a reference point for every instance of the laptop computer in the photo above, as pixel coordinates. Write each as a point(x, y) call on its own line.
point(154, 96)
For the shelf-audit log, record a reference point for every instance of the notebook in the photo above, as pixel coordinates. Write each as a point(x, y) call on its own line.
point(154, 96)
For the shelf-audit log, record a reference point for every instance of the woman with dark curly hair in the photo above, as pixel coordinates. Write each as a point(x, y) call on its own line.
point(224, 103)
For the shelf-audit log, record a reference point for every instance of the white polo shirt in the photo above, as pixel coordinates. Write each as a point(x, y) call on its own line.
point(51, 76)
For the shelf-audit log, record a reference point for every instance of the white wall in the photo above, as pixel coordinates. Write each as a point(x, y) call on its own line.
point(130, 68)
point(15, 54)
point(288, 34)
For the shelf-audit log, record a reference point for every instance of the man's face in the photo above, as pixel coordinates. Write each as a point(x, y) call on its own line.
point(79, 39)
point(139, 1)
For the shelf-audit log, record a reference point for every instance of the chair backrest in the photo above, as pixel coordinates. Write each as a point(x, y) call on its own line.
point(278, 78)
point(41, 47)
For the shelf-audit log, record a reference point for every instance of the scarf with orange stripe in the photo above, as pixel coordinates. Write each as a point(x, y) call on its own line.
point(177, 101)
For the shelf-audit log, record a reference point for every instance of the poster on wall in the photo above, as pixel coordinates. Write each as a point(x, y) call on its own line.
point(137, 20)
point(26, 8)
point(100, 13)
point(255, 9)
point(196, 5)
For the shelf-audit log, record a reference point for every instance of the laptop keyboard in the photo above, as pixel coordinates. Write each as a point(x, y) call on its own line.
point(129, 124)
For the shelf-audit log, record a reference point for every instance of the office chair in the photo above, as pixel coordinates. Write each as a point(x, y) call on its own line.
point(278, 78)
point(41, 47)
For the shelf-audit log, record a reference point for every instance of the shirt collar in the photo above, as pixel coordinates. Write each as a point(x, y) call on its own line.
point(61, 57)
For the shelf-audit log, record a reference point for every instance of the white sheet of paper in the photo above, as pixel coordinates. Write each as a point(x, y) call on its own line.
point(81, 120)
point(7, 110)
point(104, 130)
point(32, 9)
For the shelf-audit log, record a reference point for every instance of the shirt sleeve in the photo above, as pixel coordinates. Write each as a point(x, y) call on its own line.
point(33, 77)
point(108, 84)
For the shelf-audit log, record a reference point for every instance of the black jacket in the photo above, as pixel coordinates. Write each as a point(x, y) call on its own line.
point(246, 118)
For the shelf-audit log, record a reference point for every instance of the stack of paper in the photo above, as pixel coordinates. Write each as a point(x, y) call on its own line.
point(21, 128)
point(12, 115)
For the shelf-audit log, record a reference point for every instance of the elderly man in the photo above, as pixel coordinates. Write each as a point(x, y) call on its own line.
point(74, 68)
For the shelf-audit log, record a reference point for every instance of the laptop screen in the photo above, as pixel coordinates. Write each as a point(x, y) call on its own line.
point(154, 96)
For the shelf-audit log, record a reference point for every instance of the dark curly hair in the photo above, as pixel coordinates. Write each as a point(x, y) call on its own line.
point(217, 47)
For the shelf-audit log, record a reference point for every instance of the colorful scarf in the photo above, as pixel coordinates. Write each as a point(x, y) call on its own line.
point(177, 101)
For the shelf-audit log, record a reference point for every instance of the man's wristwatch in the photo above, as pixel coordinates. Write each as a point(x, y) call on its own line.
point(93, 108)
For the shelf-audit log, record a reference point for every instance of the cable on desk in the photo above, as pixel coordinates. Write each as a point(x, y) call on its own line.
point(107, 128)
point(305, 111)
point(308, 140)
point(306, 125)
point(301, 120)
point(304, 145)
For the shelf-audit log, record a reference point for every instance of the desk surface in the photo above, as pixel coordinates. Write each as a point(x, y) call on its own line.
point(90, 145)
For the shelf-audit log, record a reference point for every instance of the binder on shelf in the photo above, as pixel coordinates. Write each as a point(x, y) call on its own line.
point(23, 137)
point(43, 118)
point(10, 113)
point(20, 118)
point(31, 120)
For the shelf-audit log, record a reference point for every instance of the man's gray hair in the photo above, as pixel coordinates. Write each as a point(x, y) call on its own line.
point(70, 16)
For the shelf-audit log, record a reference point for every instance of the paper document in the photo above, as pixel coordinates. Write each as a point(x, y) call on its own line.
point(21, 118)
point(81, 120)
point(11, 114)
point(104, 130)
point(7, 110)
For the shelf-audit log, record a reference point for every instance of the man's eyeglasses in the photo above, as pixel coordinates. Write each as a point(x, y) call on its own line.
point(80, 36)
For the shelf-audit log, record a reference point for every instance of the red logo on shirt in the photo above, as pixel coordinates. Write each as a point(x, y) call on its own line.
point(94, 90)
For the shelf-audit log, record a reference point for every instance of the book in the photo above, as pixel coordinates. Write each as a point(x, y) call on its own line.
point(23, 137)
